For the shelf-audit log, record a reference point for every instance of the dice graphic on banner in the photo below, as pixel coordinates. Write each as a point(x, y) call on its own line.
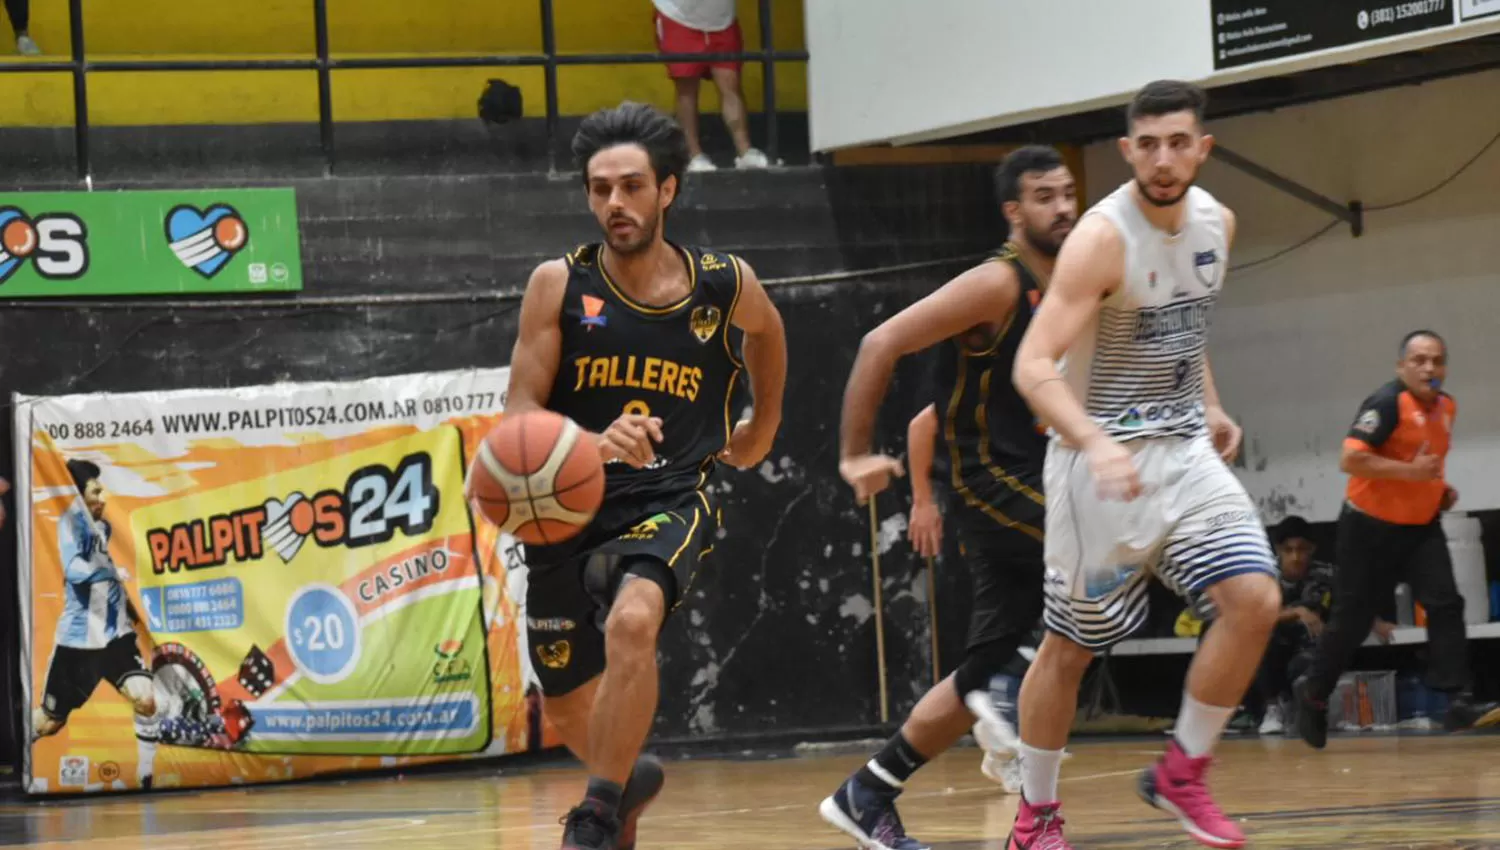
point(257, 672)
point(237, 721)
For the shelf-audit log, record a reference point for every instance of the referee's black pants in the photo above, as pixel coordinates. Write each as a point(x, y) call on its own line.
point(1373, 556)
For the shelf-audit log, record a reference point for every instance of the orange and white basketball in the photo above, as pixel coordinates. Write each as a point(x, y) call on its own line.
point(537, 476)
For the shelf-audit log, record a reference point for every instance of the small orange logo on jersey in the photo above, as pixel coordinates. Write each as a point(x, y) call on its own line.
point(1035, 297)
point(593, 308)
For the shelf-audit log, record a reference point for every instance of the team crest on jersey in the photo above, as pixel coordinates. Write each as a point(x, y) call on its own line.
point(1368, 422)
point(1206, 267)
point(555, 656)
point(704, 322)
point(711, 262)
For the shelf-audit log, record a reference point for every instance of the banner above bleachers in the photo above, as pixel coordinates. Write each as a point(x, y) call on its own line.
point(892, 71)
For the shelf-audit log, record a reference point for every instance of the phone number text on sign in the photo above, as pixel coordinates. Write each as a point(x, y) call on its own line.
point(64, 431)
point(1400, 12)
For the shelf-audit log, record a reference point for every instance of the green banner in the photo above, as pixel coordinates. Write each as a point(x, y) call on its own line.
point(148, 243)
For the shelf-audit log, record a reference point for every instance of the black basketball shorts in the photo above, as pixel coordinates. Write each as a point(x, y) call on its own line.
point(1006, 568)
point(570, 586)
point(74, 673)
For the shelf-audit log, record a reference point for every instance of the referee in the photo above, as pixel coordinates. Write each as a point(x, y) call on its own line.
point(1389, 531)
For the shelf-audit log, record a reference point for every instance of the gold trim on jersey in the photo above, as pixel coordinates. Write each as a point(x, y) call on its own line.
point(982, 419)
point(647, 309)
point(1009, 252)
point(734, 375)
point(734, 303)
point(739, 365)
point(995, 341)
point(697, 517)
point(682, 592)
point(950, 431)
point(1006, 253)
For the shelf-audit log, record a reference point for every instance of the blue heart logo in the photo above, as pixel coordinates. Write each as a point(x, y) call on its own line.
point(17, 241)
point(206, 240)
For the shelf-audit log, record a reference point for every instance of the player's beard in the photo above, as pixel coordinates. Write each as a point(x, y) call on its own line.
point(641, 239)
point(1046, 241)
point(1145, 192)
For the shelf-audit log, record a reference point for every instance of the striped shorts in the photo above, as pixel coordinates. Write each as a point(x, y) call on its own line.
point(1193, 526)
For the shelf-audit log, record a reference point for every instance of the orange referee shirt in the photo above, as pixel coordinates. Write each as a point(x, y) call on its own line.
point(1392, 423)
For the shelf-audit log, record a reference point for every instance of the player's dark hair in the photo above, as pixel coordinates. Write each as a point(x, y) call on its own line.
point(83, 471)
point(1290, 527)
point(633, 124)
point(1028, 160)
point(1164, 97)
point(1406, 340)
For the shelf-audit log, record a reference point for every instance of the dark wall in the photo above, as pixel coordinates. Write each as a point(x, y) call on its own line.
point(779, 634)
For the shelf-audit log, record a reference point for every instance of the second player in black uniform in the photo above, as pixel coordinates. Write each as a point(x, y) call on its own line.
point(995, 451)
point(631, 339)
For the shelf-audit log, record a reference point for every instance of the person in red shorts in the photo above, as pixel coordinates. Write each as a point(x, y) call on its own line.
point(706, 26)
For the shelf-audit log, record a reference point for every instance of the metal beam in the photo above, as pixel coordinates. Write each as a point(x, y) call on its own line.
point(1353, 212)
point(549, 74)
point(80, 95)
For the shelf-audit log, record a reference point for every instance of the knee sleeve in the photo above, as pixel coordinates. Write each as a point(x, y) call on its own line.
point(604, 572)
point(986, 660)
point(656, 572)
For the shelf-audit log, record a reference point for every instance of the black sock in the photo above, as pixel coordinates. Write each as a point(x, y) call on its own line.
point(898, 760)
point(605, 793)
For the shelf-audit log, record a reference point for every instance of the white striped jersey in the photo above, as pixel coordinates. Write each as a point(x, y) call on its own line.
point(94, 611)
point(1139, 367)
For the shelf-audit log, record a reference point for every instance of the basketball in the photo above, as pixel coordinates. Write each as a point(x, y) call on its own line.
point(538, 477)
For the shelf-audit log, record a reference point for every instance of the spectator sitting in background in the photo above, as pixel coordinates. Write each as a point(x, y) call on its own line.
point(706, 26)
point(1307, 597)
point(20, 21)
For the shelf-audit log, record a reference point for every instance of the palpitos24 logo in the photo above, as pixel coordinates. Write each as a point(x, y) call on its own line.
point(374, 503)
point(55, 243)
point(206, 240)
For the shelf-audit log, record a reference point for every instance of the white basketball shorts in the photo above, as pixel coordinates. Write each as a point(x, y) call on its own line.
point(1193, 526)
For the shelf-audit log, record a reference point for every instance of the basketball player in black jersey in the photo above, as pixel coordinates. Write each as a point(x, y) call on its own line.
point(995, 451)
point(631, 339)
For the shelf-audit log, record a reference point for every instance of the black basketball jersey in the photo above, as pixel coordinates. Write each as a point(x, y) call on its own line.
point(992, 447)
point(675, 362)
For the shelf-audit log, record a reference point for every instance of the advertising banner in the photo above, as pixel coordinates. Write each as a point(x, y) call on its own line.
point(91, 244)
point(1469, 10)
point(1250, 31)
point(248, 584)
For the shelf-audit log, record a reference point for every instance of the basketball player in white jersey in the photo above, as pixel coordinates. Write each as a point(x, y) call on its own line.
point(1136, 476)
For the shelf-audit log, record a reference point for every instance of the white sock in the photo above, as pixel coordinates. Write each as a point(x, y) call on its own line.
point(147, 734)
point(1199, 726)
point(1039, 769)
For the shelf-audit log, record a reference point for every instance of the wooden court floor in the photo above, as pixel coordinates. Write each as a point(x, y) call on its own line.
point(1409, 792)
